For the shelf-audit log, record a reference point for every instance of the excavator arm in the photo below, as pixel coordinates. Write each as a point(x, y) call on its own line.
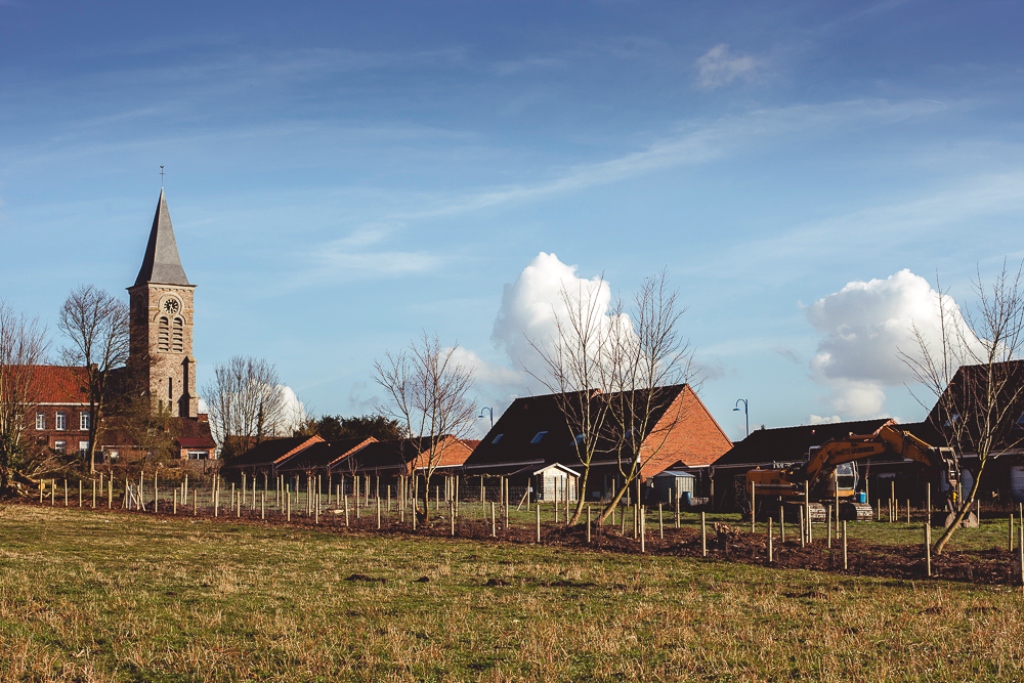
point(837, 452)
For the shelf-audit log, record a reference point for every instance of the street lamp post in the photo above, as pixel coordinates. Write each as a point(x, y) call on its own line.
point(489, 410)
point(746, 411)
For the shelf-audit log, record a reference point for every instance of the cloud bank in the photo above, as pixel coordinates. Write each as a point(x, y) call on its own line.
point(865, 325)
point(532, 306)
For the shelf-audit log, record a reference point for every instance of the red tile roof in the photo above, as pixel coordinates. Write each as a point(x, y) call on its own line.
point(59, 384)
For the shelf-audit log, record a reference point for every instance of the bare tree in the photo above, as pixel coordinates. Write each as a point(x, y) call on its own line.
point(576, 364)
point(428, 393)
point(647, 360)
point(23, 348)
point(246, 404)
point(97, 327)
point(975, 374)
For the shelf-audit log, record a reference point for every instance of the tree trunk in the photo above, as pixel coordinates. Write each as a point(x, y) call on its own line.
point(580, 497)
point(426, 495)
point(965, 509)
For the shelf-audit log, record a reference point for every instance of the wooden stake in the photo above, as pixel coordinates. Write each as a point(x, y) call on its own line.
point(770, 554)
point(846, 564)
point(928, 548)
point(753, 507)
point(494, 520)
point(175, 507)
point(829, 521)
point(94, 494)
point(588, 525)
point(538, 523)
point(703, 535)
point(661, 523)
point(928, 501)
point(378, 512)
point(263, 503)
point(346, 509)
point(642, 511)
point(782, 523)
point(195, 503)
point(1009, 537)
point(451, 515)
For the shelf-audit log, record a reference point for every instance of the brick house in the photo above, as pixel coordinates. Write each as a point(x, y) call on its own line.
point(59, 416)
point(533, 434)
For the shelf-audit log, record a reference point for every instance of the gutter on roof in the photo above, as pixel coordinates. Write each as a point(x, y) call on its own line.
point(504, 464)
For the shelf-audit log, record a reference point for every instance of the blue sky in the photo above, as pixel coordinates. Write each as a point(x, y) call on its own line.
point(344, 175)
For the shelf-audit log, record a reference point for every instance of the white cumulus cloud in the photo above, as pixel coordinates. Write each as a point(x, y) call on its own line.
point(719, 67)
point(865, 326)
point(532, 306)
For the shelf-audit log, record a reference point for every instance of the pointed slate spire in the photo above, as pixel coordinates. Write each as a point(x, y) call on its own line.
point(161, 265)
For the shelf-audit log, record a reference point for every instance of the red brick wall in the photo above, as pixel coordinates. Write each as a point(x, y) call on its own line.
point(49, 436)
point(686, 432)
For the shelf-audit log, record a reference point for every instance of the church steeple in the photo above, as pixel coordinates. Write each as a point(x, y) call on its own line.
point(161, 264)
point(162, 315)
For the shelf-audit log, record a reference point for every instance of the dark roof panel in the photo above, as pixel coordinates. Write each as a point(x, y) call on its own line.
point(161, 264)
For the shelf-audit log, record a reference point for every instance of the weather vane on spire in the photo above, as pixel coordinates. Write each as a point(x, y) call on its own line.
point(162, 176)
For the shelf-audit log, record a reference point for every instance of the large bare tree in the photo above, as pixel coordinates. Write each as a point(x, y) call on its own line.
point(974, 372)
point(647, 360)
point(23, 347)
point(246, 404)
point(96, 325)
point(575, 367)
point(428, 393)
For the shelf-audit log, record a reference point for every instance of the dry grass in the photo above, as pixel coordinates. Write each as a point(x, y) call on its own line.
point(95, 596)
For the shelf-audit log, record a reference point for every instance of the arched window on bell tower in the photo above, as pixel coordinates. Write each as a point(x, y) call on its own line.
point(163, 343)
point(177, 335)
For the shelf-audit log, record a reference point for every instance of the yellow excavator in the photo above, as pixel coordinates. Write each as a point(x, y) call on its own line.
point(830, 475)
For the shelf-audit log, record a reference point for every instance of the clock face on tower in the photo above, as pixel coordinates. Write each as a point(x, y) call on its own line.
point(172, 306)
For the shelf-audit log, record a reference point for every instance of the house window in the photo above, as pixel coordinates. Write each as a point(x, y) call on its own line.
point(60, 446)
point(40, 420)
point(83, 448)
point(62, 420)
point(198, 455)
point(497, 438)
point(83, 422)
point(163, 338)
point(538, 437)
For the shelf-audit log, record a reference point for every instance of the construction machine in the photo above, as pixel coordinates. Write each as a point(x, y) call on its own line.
point(830, 473)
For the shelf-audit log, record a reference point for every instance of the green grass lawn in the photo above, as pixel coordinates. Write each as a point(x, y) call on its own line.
point(100, 596)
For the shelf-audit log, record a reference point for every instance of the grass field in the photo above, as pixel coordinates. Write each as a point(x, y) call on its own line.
point(109, 596)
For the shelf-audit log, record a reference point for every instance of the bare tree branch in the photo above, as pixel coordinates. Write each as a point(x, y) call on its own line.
point(97, 326)
point(428, 392)
point(23, 348)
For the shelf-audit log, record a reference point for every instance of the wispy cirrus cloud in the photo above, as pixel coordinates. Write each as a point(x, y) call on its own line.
point(718, 67)
point(693, 144)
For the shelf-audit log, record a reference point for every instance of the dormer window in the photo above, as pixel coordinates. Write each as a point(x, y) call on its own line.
point(538, 437)
point(497, 438)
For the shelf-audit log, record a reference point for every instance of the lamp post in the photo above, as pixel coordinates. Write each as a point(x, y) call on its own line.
point(746, 411)
point(488, 410)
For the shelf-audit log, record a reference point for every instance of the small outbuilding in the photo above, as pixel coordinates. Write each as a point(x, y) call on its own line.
point(672, 487)
point(554, 482)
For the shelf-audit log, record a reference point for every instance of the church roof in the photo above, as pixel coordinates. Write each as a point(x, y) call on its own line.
point(162, 265)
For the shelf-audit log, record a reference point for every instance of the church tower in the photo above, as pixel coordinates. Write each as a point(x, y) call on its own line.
point(161, 302)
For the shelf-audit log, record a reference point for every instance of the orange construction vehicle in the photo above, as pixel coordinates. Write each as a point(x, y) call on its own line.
point(830, 475)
